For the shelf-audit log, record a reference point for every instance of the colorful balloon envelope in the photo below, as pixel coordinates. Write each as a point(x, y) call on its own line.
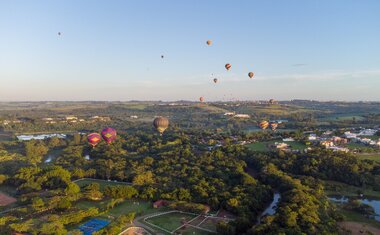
point(227, 66)
point(209, 42)
point(109, 134)
point(250, 74)
point(161, 124)
point(264, 125)
point(94, 139)
point(274, 126)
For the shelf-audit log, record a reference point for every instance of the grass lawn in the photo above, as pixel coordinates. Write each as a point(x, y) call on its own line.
point(192, 230)
point(296, 145)
point(210, 224)
point(170, 221)
point(357, 217)
point(369, 156)
point(341, 189)
point(264, 146)
point(258, 146)
point(102, 183)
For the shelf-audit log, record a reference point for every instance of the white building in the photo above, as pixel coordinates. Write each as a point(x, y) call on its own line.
point(242, 116)
point(312, 137)
point(367, 132)
point(350, 135)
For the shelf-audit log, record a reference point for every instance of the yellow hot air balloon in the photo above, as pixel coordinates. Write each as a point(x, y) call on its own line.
point(161, 124)
point(250, 74)
point(209, 42)
point(264, 125)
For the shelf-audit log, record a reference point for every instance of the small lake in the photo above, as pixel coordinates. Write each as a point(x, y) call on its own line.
point(372, 202)
point(271, 209)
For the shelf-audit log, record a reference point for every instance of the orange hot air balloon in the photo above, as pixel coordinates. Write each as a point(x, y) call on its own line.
point(274, 126)
point(161, 124)
point(94, 139)
point(209, 42)
point(109, 134)
point(227, 66)
point(201, 99)
point(215, 80)
point(264, 125)
point(250, 74)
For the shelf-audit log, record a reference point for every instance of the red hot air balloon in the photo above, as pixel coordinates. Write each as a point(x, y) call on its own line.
point(109, 134)
point(201, 99)
point(94, 139)
point(227, 66)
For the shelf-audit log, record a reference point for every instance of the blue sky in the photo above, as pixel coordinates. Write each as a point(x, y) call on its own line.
point(110, 50)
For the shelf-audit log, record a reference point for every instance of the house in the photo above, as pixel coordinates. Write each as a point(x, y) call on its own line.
point(367, 132)
point(337, 148)
point(242, 116)
point(350, 135)
point(160, 203)
point(339, 140)
point(281, 145)
point(229, 114)
point(327, 143)
point(70, 118)
point(290, 139)
point(312, 137)
point(133, 117)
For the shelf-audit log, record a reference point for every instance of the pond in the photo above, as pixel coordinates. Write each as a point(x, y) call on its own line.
point(372, 202)
point(271, 209)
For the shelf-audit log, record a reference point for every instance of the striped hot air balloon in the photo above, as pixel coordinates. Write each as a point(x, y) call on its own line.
point(274, 126)
point(250, 74)
point(264, 125)
point(109, 134)
point(161, 124)
point(94, 139)
point(227, 66)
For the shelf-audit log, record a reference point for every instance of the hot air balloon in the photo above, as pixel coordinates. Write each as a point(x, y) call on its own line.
point(162, 56)
point(250, 74)
point(59, 33)
point(215, 80)
point(94, 139)
point(209, 42)
point(271, 101)
point(201, 99)
point(109, 134)
point(161, 123)
point(228, 66)
point(264, 125)
point(274, 126)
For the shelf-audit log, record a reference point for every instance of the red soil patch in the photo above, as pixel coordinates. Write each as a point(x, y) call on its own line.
point(6, 200)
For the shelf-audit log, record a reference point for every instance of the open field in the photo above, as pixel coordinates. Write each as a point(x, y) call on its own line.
point(170, 221)
point(369, 156)
point(357, 217)
point(341, 189)
point(359, 228)
point(264, 146)
point(191, 231)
